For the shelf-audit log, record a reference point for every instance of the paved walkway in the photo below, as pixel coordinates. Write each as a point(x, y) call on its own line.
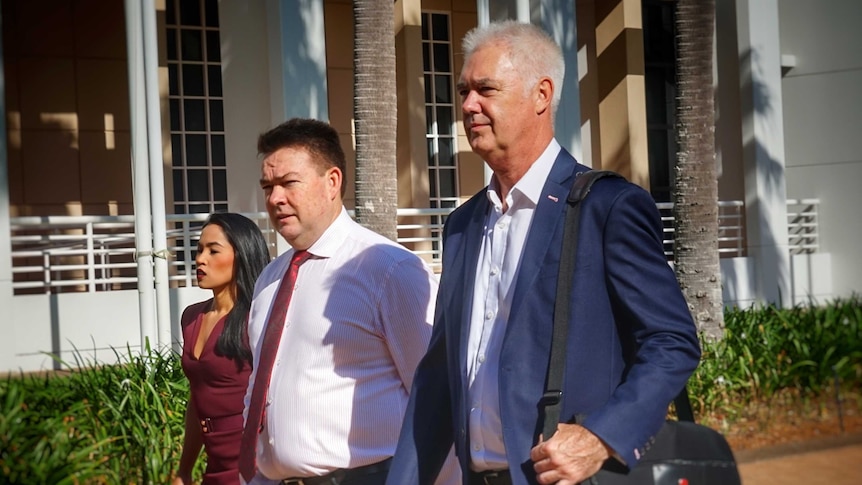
point(835, 462)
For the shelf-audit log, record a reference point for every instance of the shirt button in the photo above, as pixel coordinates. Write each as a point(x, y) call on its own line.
point(481, 358)
point(494, 271)
point(489, 315)
point(476, 447)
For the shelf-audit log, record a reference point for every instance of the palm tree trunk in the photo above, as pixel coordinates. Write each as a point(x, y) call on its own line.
point(696, 258)
point(374, 114)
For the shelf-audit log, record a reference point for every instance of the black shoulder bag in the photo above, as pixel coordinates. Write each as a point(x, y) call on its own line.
point(683, 452)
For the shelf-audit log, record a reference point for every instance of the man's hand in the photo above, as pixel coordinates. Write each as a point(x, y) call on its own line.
point(571, 456)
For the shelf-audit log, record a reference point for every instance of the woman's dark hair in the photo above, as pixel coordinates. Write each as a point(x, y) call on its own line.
point(251, 255)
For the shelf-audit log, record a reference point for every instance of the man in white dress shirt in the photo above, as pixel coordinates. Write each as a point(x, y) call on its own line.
point(358, 322)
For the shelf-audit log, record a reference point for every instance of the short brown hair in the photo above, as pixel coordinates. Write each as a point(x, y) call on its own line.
point(316, 136)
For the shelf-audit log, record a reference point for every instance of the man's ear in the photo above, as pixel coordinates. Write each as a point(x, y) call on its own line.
point(334, 180)
point(544, 95)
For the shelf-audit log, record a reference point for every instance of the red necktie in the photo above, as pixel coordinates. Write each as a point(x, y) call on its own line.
point(272, 335)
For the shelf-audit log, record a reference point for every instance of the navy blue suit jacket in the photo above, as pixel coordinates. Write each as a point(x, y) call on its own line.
point(631, 345)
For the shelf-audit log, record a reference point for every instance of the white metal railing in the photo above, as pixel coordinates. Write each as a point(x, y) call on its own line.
point(731, 228)
point(802, 225)
point(97, 253)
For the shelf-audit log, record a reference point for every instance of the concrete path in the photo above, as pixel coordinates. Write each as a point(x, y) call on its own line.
point(831, 462)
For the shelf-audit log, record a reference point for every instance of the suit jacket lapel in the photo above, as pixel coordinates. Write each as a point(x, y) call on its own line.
point(546, 221)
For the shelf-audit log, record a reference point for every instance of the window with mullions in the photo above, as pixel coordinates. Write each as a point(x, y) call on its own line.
point(196, 106)
point(660, 78)
point(440, 131)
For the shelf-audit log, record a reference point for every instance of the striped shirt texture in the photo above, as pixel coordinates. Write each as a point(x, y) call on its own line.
point(358, 323)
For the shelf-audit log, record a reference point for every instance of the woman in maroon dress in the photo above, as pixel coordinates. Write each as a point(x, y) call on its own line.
point(216, 357)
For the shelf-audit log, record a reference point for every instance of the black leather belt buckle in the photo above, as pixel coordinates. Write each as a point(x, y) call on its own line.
point(501, 477)
point(330, 479)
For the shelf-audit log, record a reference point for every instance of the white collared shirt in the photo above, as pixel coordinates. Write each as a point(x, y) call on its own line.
point(503, 238)
point(358, 323)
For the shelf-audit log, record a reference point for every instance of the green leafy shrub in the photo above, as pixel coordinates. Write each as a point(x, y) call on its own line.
point(98, 424)
point(124, 423)
point(768, 349)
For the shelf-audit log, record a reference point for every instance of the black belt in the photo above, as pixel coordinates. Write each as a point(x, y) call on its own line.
point(339, 476)
point(495, 477)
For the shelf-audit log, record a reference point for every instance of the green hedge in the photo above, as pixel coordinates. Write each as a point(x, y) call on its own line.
point(767, 349)
point(124, 423)
point(99, 424)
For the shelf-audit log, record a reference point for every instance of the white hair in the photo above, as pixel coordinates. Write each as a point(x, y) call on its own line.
point(532, 51)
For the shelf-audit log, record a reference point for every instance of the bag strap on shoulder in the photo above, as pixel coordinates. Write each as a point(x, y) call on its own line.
point(552, 398)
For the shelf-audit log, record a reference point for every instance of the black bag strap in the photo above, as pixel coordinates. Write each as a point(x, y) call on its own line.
point(552, 398)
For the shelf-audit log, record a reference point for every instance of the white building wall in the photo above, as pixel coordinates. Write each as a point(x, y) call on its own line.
point(822, 100)
point(102, 326)
point(249, 110)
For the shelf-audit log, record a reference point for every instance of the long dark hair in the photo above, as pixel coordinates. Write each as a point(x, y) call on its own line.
point(251, 255)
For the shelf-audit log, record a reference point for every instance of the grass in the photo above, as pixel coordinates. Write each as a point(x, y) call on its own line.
point(124, 423)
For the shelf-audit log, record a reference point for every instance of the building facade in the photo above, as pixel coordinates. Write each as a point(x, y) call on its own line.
point(184, 87)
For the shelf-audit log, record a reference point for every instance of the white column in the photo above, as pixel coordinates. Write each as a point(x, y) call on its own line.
point(763, 148)
point(303, 59)
point(140, 173)
point(297, 63)
point(169, 332)
point(6, 298)
point(558, 18)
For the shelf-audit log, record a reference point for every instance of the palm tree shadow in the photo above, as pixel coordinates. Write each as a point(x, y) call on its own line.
point(360, 339)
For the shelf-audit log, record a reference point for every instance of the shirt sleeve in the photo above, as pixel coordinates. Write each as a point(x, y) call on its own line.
point(407, 312)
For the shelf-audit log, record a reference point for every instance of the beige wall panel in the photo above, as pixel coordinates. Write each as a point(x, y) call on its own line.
point(51, 167)
point(42, 210)
point(411, 155)
point(100, 29)
point(461, 24)
point(47, 88)
point(639, 154)
point(105, 167)
point(589, 82)
point(728, 127)
point(440, 5)
point(340, 83)
point(110, 208)
point(615, 143)
point(460, 6)
point(609, 25)
point(350, 176)
point(471, 171)
point(103, 95)
point(49, 27)
point(339, 35)
point(14, 167)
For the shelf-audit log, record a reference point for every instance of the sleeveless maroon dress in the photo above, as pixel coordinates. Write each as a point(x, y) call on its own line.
point(217, 391)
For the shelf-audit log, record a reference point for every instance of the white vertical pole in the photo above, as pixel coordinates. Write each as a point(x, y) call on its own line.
point(157, 179)
point(140, 173)
point(522, 11)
